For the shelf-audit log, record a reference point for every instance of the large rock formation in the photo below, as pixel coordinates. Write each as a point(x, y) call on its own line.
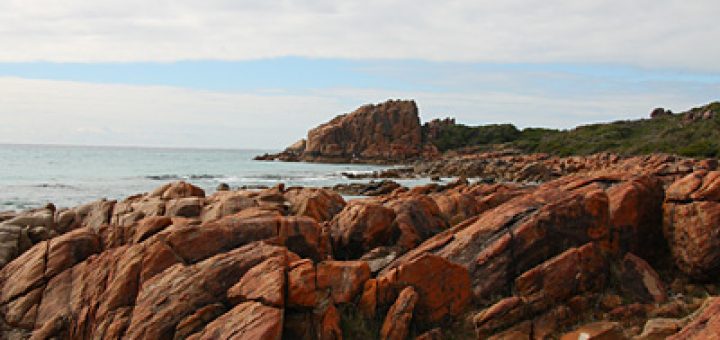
point(386, 132)
point(491, 261)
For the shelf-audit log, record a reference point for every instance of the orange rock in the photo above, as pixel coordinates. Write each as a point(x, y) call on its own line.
point(360, 227)
point(149, 226)
point(502, 314)
point(691, 217)
point(456, 207)
point(344, 279)
point(248, 320)
point(165, 300)
point(320, 204)
point(368, 299)
point(418, 218)
point(185, 207)
point(397, 321)
point(196, 322)
point(573, 272)
point(264, 283)
point(301, 284)
point(641, 281)
point(635, 216)
point(443, 286)
point(176, 190)
point(704, 325)
point(329, 328)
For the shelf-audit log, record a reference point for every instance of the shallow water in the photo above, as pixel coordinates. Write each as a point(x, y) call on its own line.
point(33, 175)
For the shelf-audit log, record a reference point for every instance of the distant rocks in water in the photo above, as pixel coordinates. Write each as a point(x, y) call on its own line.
point(223, 187)
point(387, 173)
point(386, 132)
point(373, 188)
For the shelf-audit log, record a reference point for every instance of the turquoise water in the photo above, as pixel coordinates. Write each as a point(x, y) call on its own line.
point(33, 175)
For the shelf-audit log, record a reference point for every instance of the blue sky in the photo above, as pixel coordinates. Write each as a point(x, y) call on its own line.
point(252, 74)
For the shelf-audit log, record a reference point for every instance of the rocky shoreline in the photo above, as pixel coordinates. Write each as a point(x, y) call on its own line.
point(625, 248)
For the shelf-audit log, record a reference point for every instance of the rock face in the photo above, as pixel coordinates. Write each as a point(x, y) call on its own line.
point(499, 261)
point(386, 132)
point(692, 217)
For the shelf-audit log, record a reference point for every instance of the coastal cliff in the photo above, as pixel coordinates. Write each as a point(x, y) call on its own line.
point(389, 132)
point(623, 249)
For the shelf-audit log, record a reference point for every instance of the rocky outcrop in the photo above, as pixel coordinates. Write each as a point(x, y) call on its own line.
point(386, 132)
point(629, 246)
point(692, 216)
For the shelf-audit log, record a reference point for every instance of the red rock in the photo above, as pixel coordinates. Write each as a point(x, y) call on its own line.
point(502, 314)
point(196, 322)
point(319, 204)
point(69, 249)
point(417, 218)
point(368, 299)
point(576, 271)
point(386, 132)
point(397, 321)
point(185, 207)
point(658, 329)
point(641, 281)
point(344, 279)
point(596, 331)
point(23, 274)
point(264, 283)
point(456, 207)
point(225, 203)
point(443, 286)
point(551, 322)
point(636, 216)
point(176, 190)
point(329, 328)
point(691, 217)
point(360, 227)
point(302, 284)
point(150, 226)
point(705, 323)
point(248, 320)
point(520, 234)
point(165, 300)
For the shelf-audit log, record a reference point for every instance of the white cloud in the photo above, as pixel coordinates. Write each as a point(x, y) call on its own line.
point(668, 33)
point(63, 112)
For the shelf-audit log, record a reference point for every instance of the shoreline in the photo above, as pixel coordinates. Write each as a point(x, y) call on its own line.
point(604, 241)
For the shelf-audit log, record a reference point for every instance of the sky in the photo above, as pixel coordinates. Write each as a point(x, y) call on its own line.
point(259, 74)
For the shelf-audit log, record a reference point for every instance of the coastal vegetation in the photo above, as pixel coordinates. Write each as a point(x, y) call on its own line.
point(695, 133)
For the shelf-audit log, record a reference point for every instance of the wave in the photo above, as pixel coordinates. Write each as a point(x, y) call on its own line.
point(169, 177)
point(54, 186)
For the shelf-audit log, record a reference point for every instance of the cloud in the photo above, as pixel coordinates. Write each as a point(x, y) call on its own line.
point(666, 34)
point(67, 112)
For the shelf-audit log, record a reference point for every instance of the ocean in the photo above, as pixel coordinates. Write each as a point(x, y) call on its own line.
point(34, 175)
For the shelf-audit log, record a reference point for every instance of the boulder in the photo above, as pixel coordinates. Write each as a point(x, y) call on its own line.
point(344, 279)
point(264, 283)
point(248, 320)
point(641, 281)
point(691, 217)
point(417, 218)
point(385, 132)
point(506, 241)
point(185, 207)
point(397, 322)
point(443, 286)
point(360, 227)
point(704, 324)
point(319, 204)
point(175, 190)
